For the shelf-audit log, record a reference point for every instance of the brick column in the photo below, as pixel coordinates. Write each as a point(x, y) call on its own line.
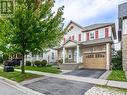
point(124, 44)
point(107, 56)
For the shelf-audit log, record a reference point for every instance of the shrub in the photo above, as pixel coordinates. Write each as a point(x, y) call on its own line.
point(28, 63)
point(37, 63)
point(60, 61)
point(1, 60)
point(117, 60)
point(43, 63)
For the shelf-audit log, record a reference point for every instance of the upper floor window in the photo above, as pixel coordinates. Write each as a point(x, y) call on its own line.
point(101, 33)
point(41, 55)
point(92, 35)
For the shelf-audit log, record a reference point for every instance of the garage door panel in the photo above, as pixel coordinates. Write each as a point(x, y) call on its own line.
point(95, 61)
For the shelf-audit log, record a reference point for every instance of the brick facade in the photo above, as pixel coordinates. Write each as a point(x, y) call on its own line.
point(124, 51)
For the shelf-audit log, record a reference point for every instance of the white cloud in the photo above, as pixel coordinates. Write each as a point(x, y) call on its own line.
point(79, 10)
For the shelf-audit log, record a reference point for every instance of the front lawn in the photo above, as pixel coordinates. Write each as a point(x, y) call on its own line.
point(117, 75)
point(17, 76)
point(49, 69)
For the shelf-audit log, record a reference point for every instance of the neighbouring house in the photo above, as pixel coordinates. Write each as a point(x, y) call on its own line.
point(49, 55)
point(122, 15)
point(89, 46)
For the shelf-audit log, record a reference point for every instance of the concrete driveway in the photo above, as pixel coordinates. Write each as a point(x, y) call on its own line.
point(55, 86)
point(87, 73)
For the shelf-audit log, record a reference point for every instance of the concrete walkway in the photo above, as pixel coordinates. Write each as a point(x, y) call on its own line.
point(8, 87)
point(117, 84)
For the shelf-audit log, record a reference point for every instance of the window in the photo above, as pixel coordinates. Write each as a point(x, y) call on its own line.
point(52, 55)
point(92, 35)
point(101, 33)
point(6, 7)
point(69, 54)
point(34, 55)
point(41, 55)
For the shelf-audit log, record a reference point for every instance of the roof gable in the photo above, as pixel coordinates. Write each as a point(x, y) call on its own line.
point(72, 22)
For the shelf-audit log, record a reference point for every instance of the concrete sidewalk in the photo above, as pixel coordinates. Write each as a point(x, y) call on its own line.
point(117, 84)
point(8, 87)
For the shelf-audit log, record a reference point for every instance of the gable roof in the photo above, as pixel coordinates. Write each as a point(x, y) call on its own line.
point(96, 26)
point(74, 24)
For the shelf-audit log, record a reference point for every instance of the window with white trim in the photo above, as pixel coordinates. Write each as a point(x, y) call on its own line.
point(101, 33)
point(92, 35)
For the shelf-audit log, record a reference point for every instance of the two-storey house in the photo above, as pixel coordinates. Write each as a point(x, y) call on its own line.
point(88, 46)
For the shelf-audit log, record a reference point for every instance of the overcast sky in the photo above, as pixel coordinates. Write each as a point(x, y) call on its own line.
point(86, 12)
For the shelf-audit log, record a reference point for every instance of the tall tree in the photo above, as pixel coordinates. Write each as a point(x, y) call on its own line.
point(33, 26)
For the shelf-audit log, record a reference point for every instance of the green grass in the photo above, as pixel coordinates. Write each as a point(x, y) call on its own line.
point(117, 75)
point(48, 69)
point(17, 76)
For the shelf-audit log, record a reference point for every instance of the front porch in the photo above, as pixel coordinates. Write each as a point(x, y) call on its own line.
point(71, 56)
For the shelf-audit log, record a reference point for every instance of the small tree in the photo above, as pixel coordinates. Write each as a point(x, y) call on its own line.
point(33, 27)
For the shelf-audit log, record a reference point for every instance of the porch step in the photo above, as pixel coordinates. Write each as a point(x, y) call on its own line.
point(69, 66)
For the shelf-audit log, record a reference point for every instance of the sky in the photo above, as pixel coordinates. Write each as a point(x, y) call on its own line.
point(86, 12)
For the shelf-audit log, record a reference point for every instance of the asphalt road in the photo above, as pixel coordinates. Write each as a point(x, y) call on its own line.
point(6, 89)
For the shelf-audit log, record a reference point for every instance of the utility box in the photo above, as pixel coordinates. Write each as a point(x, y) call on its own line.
point(8, 69)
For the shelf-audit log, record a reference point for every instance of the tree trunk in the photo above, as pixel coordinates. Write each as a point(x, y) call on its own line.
point(22, 66)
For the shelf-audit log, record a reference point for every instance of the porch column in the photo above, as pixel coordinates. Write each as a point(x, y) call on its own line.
point(63, 55)
point(77, 57)
point(107, 56)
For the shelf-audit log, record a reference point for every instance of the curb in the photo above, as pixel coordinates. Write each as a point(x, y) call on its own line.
point(105, 75)
point(19, 87)
point(32, 80)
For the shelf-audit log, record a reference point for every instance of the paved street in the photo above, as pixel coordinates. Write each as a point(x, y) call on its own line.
point(5, 89)
point(55, 86)
point(86, 73)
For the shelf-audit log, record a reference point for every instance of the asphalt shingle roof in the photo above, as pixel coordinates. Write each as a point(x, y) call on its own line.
point(95, 26)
